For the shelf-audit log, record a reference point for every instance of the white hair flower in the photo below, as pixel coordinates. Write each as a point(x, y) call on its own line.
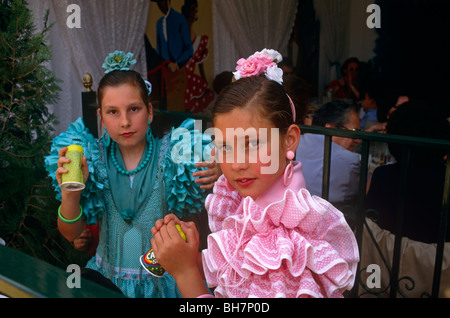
point(275, 73)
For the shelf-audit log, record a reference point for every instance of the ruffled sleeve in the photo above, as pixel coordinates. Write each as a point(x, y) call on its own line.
point(187, 147)
point(222, 203)
point(78, 134)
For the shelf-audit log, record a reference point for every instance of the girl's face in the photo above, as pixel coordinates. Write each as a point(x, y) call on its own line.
point(246, 175)
point(125, 115)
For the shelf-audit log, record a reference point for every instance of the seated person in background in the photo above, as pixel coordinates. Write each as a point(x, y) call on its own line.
point(401, 99)
point(287, 66)
point(426, 174)
point(347, 86)
point(387, 102)
point(345, 164)
point(370, 98)
point(375, 99)
point(221, 81)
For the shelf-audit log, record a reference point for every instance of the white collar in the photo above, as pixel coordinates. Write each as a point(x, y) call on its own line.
point(168, 12)
point(165, 24)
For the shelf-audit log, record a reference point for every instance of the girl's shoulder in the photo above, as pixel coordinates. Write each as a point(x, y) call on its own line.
point(185, 144)
point(182, 148)
point(78, 134)
point(222, 203)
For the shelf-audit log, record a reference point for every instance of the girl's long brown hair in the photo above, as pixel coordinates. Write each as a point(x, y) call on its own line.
point(264, 97)
point(118, 78)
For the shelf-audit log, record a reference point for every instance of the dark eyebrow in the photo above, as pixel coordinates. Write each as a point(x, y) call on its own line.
point(107, 108)
point(133, 104)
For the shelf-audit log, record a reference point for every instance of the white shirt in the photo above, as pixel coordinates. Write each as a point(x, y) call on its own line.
point(165, 24)
point(344, 170)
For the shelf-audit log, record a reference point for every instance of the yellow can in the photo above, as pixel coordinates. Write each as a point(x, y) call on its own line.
point(73, 180)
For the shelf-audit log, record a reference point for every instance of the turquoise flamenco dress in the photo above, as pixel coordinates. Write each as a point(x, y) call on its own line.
point(126, 207)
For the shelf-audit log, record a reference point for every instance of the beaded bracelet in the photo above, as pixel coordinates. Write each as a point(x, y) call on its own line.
point(69, 221)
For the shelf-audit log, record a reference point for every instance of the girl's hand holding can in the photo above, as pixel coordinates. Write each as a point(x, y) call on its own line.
point(63, 160)
point(71, 165)
point(177, 254)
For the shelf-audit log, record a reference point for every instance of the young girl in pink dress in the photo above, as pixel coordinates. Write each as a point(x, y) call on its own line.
point(270, 237)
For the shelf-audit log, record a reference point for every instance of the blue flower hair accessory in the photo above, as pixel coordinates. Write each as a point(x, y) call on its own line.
point(118, 61)
point(121, 61)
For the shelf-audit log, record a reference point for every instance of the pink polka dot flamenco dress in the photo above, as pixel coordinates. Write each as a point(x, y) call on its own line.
point(286, 243)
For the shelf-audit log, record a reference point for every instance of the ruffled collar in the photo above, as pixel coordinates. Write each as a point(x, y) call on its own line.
point(272, 246)
point(276, 192)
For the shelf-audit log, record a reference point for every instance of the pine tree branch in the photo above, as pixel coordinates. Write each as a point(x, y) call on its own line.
point(24, 226)
point(28, 73)
point(27, 122)
point(51, 253)
point(57, 244)
point(4, 107)
point(17, 138)
point(40, 196)
point(18, 234)
point(18, 102)
point(23, 100)
point(33, 196)
point(6, 42)
point(35, 206)
point(28, 244)
point(11, 97)
point(22, 58)
point(19, 156)
point(37, 186)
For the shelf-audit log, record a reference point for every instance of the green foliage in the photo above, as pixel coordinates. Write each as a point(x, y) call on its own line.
point(27, 204)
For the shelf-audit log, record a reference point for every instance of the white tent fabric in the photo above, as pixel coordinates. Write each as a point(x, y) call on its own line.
point(334, 19)
point(243, 27)
point(105, 26)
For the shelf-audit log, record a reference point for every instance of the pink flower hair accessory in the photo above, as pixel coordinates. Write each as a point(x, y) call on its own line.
point(259, 63)
point(263, 62)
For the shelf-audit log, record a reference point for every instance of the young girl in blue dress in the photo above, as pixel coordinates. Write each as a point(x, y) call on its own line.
point(131, 180)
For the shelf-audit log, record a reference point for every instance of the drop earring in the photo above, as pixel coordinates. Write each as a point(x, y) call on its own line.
point(106, 139)
point(149, 132)
point(289, 172)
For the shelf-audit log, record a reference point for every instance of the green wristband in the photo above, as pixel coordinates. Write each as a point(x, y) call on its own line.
point(69, 221)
